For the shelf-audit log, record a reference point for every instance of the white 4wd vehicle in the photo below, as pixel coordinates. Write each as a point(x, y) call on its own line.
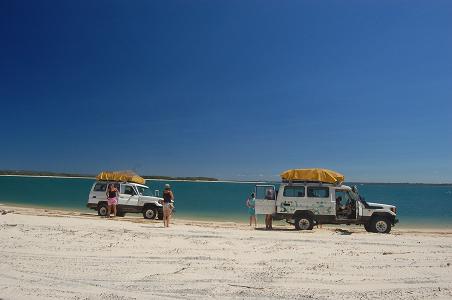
point(304, 204)
point(133, 198)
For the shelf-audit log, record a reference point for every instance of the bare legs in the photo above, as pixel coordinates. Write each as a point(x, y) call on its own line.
point(166, 215)
point(268, 222)
point(253, 219)
point(109, 209)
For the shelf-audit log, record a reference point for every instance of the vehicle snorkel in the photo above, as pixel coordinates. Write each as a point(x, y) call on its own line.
point(357, 197)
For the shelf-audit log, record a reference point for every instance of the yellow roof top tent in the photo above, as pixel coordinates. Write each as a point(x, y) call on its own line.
point(128, 176)
point(322, 175)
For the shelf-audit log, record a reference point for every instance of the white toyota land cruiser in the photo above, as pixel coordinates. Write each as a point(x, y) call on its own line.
point(133, 198)
point(304, 204)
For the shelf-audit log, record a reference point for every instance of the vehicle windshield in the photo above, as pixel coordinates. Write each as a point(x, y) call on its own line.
point(144, 191)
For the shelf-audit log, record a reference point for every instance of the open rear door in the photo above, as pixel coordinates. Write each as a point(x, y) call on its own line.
point(265, 199)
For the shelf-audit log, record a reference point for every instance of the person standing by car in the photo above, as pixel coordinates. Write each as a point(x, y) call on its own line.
point(168, 199)
point(112, 198)
point(269, 195)
point(250, 203)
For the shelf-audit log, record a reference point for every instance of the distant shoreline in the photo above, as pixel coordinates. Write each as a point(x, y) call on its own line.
point(146, 178)
point(196, 179)
point(75, 175)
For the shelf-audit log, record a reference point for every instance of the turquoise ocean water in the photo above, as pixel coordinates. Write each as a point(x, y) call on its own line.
point(423, 205)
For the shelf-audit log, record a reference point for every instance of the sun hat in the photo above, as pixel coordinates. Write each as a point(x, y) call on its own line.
point(167, 186)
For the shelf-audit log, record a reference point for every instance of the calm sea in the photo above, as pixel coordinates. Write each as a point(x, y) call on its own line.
point(420, 205)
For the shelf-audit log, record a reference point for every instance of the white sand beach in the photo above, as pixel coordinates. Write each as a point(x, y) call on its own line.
point(49, 254)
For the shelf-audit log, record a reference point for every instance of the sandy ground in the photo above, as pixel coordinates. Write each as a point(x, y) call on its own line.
point(48, 254)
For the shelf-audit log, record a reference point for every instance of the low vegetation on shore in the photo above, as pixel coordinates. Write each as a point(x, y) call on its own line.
point(45, 173)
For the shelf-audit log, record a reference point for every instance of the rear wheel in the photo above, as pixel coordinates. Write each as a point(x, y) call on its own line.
point(150, 213)
point(102, 209)
point(304, 223)
point(380, 224)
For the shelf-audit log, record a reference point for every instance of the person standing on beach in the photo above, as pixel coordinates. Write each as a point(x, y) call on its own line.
point(168, 198)
point(269, 195)
point(251, 209)
point(112, 198)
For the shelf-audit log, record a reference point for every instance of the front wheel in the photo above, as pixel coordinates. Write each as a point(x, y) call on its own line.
point(304, 223)
point(380, 224)
point(150, 213)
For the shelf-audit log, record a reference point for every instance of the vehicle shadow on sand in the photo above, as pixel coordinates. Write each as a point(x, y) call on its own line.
point(343, 231)
point(336, 230)
point(275, 229)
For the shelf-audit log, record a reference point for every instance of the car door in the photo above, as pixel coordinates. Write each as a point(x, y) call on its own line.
point(128, 196)
point(265, 199)
point(359, 209)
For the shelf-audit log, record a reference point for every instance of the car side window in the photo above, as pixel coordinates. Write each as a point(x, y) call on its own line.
point(318, 192)
point(100, 187)
point(128, 190)
point(294, 191)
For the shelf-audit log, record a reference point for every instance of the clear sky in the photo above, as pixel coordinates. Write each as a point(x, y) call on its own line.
point(228, 89)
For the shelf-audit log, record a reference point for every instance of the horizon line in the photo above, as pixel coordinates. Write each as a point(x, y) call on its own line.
point(76, 176)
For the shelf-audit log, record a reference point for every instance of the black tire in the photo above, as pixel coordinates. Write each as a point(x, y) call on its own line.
point(150, 212)
point(120, 214)
point(304, 222)
point(160, 214)
point(102, 209)
point(367, 227)
point(380, 224)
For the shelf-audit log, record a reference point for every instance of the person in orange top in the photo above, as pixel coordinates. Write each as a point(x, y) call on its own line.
point(168, 199)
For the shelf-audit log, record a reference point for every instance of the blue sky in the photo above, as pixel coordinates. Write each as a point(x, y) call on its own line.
point(228, 89)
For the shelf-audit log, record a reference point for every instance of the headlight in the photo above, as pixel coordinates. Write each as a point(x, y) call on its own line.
point(394, 209)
